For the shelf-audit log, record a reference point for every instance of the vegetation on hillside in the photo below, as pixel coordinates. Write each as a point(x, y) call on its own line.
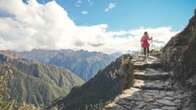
point(6, 74)
point(28, 82)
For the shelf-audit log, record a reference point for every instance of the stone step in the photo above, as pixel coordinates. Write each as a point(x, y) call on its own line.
point(143, 65)
point(137, 99)
point(154, 88)
point(151, 74)
point(151, 77)
point(151, 90)
point(152, 85)
point(147, 100)
point(143, 58)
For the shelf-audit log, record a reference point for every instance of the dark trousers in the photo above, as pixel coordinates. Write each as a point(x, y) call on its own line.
point(146, 51)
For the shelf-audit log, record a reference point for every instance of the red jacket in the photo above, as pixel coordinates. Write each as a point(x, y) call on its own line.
point(144, 41)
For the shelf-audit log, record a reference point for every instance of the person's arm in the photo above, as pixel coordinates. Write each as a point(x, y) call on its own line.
point(149, 38)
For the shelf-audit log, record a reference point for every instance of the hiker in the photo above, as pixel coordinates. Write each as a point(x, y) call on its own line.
point(145, 44)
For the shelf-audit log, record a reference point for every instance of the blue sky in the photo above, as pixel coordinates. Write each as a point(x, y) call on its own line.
point(94, 25)
point(130, 14)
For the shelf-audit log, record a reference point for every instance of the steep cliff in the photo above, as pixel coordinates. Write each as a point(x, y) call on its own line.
point(179, 53)
point(106, 85)
point(179, 56)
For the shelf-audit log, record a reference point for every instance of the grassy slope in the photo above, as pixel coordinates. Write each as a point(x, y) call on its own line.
point(38, 84)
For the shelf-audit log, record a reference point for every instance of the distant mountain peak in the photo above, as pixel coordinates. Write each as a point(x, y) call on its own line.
point(82, 62)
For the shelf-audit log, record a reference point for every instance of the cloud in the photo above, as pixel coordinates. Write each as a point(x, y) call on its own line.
point(78, 3)
point(84, 12)
point(95, 44)
point(48, 26)
point(81, 3)
point(79, 43)
point(110, 7)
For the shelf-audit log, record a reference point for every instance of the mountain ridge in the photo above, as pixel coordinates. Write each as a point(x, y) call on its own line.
point(36, 83)
point(84, 63)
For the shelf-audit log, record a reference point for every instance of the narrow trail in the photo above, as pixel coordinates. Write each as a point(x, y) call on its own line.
point(152, 89)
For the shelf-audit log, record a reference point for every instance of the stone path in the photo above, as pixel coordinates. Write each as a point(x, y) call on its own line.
point(152, 89)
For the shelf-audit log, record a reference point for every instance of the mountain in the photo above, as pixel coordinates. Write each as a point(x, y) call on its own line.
point(179, 55)
point(6, 73)
point(35, 83)
point(177, 58)
point(102, 88)
point(84, 63)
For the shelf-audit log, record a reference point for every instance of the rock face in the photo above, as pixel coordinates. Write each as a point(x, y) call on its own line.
point(35, 83)
point(106, 85)
point(179, 55)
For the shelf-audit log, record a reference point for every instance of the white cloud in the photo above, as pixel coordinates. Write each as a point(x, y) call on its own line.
point(84, 12)
point(78, 3)
point(110, 7)
point(48, 26)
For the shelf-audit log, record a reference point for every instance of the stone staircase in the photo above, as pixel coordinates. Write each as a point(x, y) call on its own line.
point(152, 89)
